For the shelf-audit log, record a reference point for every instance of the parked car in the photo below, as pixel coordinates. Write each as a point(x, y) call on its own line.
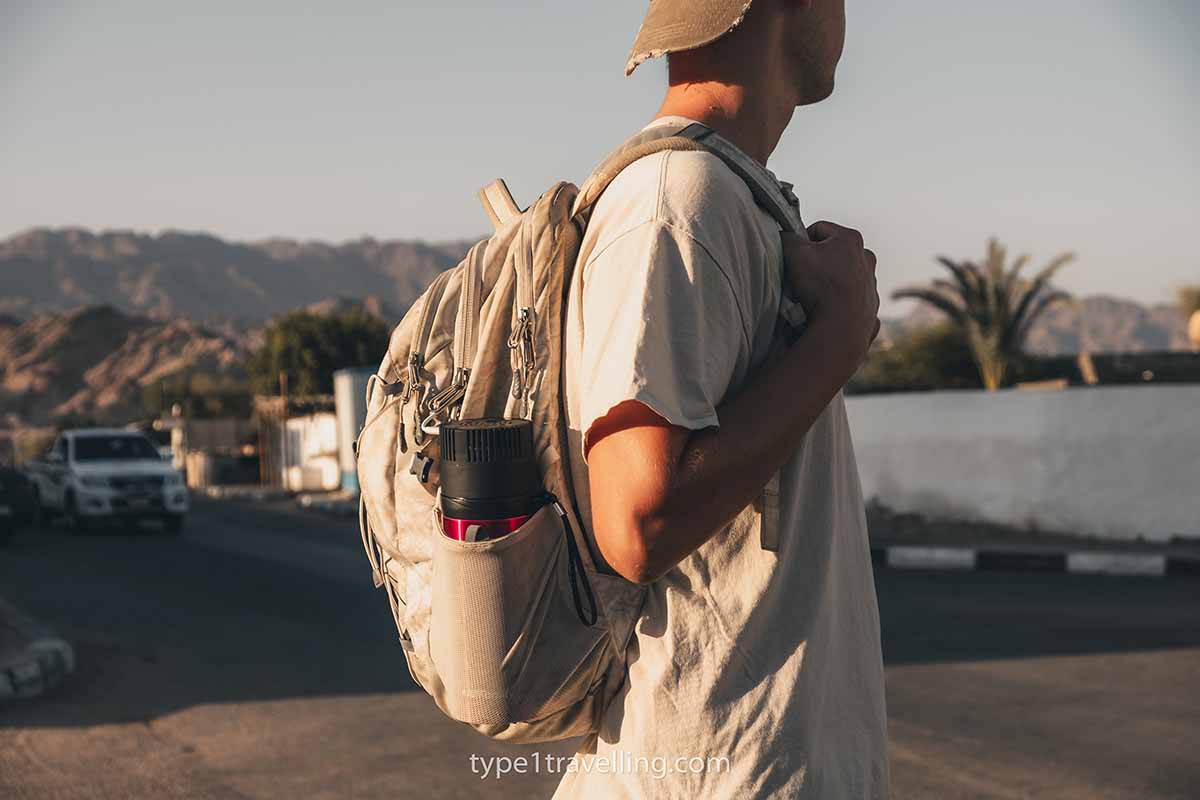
point(92, 475)
point(16, 503)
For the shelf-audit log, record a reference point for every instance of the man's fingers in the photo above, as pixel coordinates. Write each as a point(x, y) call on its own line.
point(799, 253)
point(820, 231)
point(870, 256)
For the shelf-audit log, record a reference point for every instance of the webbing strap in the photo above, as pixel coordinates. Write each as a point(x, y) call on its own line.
point(696, 137)
point(776, 199)
point(498, 203)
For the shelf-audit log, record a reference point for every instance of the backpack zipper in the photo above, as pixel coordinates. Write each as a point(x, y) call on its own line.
point(521, 339)
point(465, 334)
point(424, 330)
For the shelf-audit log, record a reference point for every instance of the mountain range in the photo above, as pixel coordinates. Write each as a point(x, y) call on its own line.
point(204, 278)
point(235, 287)
point(89, 320)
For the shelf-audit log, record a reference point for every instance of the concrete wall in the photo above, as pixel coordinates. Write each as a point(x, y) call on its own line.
point(1114, 462)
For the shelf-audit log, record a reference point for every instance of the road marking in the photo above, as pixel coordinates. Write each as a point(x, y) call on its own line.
point(931, 558)
point(1117, 563)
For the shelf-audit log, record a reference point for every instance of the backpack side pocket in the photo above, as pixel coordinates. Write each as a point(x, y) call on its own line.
point(505, 637)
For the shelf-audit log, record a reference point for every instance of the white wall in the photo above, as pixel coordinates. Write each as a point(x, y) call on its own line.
point(311, 453)
point(1116, 462)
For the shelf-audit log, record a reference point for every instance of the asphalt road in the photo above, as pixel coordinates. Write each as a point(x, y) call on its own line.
point(251, 658)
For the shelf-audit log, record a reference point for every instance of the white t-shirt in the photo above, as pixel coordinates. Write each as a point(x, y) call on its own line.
point(762, 666)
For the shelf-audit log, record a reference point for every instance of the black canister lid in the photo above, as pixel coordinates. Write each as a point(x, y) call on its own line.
point(488, 458)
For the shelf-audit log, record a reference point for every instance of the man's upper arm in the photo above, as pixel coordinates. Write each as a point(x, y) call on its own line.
point(663, 337)
point(662, 325)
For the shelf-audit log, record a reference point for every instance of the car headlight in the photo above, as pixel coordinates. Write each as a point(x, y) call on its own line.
point(94, 482)
point(173, 481)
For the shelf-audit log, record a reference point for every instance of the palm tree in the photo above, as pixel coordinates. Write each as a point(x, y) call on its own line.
point(992, 305)
point(1189, 299)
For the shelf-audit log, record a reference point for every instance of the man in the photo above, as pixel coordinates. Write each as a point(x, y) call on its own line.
point(754, 670)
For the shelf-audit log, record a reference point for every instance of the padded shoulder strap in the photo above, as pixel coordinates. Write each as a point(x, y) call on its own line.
point(695, 137)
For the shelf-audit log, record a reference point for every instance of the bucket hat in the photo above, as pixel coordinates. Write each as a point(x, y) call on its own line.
point(673, 25)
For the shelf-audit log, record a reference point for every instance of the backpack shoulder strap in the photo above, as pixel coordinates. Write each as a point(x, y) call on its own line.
point(694, 137)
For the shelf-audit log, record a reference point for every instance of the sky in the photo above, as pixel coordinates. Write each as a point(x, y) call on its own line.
point(1054, 125)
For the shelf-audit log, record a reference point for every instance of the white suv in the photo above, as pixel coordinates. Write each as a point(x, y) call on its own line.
point(94, 474)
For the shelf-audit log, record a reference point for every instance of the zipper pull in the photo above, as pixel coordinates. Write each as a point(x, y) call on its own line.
point(522, 341)
point(414, 376)
point(516, 341)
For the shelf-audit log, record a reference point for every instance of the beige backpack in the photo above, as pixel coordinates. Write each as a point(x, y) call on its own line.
point(519, 637)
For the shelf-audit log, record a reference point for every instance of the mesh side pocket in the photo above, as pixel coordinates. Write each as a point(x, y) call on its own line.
point(505, 637)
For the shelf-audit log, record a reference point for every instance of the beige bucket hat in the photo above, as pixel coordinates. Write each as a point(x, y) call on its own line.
point(673, 25)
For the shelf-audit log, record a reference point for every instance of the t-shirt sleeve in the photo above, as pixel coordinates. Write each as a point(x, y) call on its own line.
point(661, 325)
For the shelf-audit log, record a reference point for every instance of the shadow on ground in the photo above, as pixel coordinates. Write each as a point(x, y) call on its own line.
point(162, 623)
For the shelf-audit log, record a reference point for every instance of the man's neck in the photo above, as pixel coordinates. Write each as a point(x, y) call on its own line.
point(736, 112)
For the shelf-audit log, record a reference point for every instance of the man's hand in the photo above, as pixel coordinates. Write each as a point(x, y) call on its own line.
point(833, 278)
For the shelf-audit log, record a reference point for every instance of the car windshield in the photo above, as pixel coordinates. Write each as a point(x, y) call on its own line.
point(114, 448)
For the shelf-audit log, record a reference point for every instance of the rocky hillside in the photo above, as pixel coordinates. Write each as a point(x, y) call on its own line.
point(204, 278)
point(95, 362)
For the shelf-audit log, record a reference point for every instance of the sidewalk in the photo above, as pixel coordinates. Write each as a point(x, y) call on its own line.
point(908, 541)
point(32, 657)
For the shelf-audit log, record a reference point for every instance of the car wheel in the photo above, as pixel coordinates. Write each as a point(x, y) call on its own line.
point(173, 524)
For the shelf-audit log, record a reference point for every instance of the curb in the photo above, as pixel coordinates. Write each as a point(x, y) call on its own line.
point(40, 662)
point(1078, 562)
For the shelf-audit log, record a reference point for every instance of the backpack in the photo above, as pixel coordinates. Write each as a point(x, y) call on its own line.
point(519, 637)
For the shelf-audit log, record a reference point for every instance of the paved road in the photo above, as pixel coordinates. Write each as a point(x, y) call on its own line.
point(251, 659)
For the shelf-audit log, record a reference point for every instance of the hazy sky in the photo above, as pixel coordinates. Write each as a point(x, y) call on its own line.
point(1053, 124)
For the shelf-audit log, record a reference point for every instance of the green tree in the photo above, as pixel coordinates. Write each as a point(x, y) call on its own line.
point(993, 306)
point(310, 347)
point(931, 357)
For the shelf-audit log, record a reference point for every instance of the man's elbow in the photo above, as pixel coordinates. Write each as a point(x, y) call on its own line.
point(634, 549)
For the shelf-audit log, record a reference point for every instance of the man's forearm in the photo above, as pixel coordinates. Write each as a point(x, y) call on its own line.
point(721, 471)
